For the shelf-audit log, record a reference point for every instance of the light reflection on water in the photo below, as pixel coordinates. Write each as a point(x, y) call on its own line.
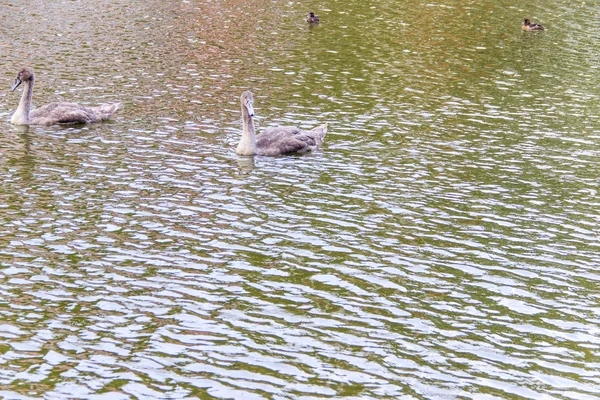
point(442, 245)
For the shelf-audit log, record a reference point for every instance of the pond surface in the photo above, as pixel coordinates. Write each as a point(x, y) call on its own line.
point(443, 245)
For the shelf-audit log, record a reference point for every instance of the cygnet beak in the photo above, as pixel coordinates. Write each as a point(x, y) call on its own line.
point(250, 109)
point(16, 84)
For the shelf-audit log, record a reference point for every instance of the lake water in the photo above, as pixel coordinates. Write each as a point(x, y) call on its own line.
point(444, 244)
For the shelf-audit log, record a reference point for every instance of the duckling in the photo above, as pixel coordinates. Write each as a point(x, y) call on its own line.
point(54, 113)
point(531, 26)
point(278, 140)
point(312, 18)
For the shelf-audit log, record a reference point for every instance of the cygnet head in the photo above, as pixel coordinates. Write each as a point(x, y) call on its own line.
point(247, 100)
point(24, 75)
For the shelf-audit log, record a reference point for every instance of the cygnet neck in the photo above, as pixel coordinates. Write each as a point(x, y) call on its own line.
point(247, 146)
point(22, 112)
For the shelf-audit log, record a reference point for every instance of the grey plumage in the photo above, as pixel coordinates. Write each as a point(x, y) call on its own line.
point(71, 113)
point(289, 139)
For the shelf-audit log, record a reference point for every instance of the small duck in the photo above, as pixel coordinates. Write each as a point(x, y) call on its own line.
point(311, 18)
point(531, 26)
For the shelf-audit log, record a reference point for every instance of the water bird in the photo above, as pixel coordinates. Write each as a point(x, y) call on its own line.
point(531, 26)
point(275, 141)
point(54, 113)
point(312, 18)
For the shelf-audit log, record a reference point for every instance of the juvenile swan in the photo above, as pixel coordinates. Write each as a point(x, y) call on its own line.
point(278, 140)
point(54, 113)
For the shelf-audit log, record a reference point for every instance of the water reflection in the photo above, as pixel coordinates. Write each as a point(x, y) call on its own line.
point(245, 164)
point(442, 245)
point(17, 152)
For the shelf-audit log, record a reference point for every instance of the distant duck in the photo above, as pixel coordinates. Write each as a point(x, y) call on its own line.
point(278, 140)
point(54, 113)
point(531, 26)
point(312, 18)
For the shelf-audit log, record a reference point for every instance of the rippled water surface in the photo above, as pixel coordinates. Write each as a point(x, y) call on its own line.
point(443, 245)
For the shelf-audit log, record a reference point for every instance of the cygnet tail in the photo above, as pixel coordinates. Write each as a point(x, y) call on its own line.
point(107, 110)
point(319, 134)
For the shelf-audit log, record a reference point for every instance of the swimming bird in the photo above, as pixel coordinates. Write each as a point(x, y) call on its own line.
point(312, 18)
point(277, 140)
point(54, 113)
point(531, 26)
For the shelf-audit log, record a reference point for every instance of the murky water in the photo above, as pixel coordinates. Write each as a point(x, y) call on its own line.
point(444, 244)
